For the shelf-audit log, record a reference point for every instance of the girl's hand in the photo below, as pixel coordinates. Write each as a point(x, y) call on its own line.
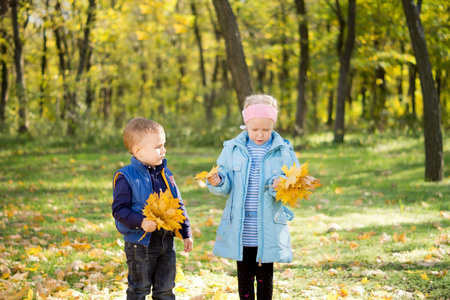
point(148, 225)
point(214, 180)
point(276, 182)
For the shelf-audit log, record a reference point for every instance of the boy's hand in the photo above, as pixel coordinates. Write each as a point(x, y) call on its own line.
point(148, 225)
point(276, 182)
point(214, 179)
point(188, 244)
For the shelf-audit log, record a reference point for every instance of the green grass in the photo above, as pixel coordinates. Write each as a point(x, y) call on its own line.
point(57, 238)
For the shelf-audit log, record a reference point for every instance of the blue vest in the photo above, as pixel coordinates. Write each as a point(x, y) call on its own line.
point(141, 188)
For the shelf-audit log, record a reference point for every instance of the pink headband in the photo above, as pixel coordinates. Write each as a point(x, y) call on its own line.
point(259, 111)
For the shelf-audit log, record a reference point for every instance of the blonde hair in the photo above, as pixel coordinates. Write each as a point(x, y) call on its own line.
point(137, 129)
point(260, 99)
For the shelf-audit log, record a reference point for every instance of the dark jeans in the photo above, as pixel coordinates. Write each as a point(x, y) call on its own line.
point(152, 268)
point(248, 269)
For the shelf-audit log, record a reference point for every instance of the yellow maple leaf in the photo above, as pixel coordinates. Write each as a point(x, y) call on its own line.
point(353, 245)
point(297, 184)
point(424, 276)
point(332, 296)
point(205, 175)
point(399, 238)
point(209, 222)
point(165, 210)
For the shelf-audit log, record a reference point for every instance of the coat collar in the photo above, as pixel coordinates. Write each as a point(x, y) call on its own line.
point(241, 140)
point(141, 168)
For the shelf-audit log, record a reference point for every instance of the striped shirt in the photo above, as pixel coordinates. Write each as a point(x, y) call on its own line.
point(250, 232)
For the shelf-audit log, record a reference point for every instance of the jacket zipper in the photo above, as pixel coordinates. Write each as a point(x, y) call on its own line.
point(261, 170)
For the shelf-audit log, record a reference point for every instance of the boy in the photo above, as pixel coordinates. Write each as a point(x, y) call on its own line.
point(151, 260)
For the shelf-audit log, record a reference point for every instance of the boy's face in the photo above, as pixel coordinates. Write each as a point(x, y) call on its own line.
point(150, 150)
point(259, 130)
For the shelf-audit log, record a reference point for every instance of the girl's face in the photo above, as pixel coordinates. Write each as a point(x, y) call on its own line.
point(151, 150)
point(260, 130)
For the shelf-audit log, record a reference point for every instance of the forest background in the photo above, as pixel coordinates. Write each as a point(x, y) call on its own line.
point(84, 68)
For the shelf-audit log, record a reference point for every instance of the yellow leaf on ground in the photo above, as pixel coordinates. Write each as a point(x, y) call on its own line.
point(332, 296)
point(399, 238)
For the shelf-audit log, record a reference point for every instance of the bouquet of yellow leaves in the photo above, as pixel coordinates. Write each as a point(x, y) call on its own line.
point(205, 175)
point(298, 184)
point(165, 211)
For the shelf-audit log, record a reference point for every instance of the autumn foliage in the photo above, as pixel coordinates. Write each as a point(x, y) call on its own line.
point(205, 175)
point(165, 211)
point(297, 184)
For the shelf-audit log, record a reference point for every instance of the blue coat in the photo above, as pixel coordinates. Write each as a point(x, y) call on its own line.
point(274, 243)
point(141, 186)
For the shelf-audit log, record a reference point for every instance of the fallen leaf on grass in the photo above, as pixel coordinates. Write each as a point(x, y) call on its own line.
point(445, 214)
point(353, 245)
point(209, 222)
point(385, 238)
point(400, 238)
point(366, 235)
point(332, 296)
point(288, 274)
point(424, 276)
point(357, 290)
point(332, 272)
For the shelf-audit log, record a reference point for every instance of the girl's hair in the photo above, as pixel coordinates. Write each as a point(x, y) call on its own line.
point(260, 99)
point(137, 129)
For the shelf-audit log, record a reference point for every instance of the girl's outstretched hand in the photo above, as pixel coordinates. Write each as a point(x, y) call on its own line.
point(214, 179)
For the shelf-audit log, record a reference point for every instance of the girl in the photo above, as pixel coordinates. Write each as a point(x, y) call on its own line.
point(253, 229)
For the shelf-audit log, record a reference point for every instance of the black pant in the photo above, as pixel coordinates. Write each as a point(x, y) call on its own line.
point(152, 267)
point(247, 270)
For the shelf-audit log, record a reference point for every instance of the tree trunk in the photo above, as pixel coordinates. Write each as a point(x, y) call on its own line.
point(84, 48)
point(64, 65)
point(434, 153)
point(315, 103)
point(283, 76)
point(90, 94)
point(4, 67)
point(300, 120)
point(20, 70)
point(158, 86)
point(330, 108)
point(412, 91)
point(5, 81)
point(344, 70)
point(207, 96)
point(43, 83)
point(235, 53)
point(261, 69)
point(363, 93)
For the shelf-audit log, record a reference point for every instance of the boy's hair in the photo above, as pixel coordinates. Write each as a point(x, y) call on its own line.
point(260, 99)
point(136, 129)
